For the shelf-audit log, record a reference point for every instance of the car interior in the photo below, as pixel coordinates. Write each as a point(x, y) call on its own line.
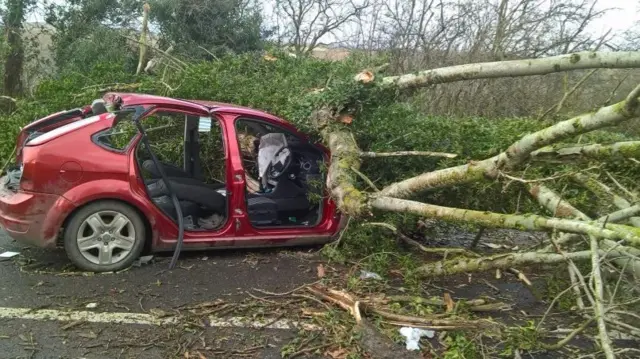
point(191, 150)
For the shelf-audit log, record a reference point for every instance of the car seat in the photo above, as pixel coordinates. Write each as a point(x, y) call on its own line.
point(193, 194)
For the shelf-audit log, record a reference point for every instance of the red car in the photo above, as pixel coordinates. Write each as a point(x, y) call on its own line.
point(85, 180)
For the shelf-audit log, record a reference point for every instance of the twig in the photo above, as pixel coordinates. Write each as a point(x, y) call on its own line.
point(571, 335)
point(598, 308)
point(615, 89)
point(632, 196)
point(558, 106)
point(476, 239)
point(143, 37)
point(8, 98)
point(309, 350)
point(407, 153)
point(576, 271)
point(6, 163)
point(272, 321)
point(163, 52)
point(285, 293)
point(551, 178)
point(419, 247)
point(366, 179)
point(209, 52)
point(346, 226)
point(521, 276)
point(261, 299)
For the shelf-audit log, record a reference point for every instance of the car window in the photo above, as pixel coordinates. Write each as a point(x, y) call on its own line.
point(256, 129)
point(165, 133)
point(120, 135)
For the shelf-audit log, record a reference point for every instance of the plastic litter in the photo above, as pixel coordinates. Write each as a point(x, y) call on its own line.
point(92, 305)
point(8, 254)
point(369, 275)
point(413, 336)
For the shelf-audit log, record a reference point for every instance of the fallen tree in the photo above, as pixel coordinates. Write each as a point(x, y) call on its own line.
point(607, 242)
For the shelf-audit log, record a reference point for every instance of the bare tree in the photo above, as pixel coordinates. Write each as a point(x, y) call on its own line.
point(310, 20)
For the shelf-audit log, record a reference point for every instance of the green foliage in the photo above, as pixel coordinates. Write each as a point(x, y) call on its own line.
point(520, 338)
point(460, 347)
point(197, 28)
point(89, 32)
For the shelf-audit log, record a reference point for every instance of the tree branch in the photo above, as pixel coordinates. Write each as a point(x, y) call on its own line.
point(467, 265)
point(516, 154)
point(407, 153)
point(497, 220)
point(605, 193)
point(517, 68)
point(625, 149)
point(550, 200)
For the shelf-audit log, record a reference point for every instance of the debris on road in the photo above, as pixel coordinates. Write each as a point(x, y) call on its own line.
point(8, 254)
point(369, 275)
point(92, 305)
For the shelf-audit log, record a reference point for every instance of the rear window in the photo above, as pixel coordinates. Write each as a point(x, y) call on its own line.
point(119, 136)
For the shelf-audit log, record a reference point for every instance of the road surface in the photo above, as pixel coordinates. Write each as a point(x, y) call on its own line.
point(50, 310)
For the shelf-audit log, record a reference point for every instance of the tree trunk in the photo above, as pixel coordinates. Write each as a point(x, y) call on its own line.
point(143, 38)
point(13, 22)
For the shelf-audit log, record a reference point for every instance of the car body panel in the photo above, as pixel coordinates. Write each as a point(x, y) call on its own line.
point(67, 171)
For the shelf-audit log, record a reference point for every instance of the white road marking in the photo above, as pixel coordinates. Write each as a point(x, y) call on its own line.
point(143, 319)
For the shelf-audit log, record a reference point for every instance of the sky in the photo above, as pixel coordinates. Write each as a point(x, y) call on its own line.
point(624, 14)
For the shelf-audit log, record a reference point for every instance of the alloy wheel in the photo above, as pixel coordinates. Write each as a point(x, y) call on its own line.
point(106, 237)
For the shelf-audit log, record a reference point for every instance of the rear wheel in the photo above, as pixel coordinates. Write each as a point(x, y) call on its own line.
point(104, 236)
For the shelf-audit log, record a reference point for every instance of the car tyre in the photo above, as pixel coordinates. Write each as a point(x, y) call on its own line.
point(104, 236)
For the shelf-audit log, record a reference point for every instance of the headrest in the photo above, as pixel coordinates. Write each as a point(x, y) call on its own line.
point(98, 107)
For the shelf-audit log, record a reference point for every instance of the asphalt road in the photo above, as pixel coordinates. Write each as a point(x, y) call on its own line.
point(40, 280)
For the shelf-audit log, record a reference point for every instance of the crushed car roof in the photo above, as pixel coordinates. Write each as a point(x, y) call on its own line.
point(134, 99)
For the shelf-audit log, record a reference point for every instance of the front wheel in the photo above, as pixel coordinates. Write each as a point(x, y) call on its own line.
point(104, 236)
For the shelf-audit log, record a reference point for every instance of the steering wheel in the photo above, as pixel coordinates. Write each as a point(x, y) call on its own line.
point(275, 173)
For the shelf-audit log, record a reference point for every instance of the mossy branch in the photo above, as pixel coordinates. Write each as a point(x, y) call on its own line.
point(518, 153)
point(516, 68)
point(627, 149)
point(466, 265)
point(605, 194)
point(523, 222)
point(551, 201)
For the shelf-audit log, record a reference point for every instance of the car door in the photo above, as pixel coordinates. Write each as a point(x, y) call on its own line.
point(245, 132)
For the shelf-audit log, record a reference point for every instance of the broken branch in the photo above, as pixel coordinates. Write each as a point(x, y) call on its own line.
point(522, 222)
point(407, 153)
point(516, 68)
point(516, 154)
point(468, 265)
point(625, 149)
